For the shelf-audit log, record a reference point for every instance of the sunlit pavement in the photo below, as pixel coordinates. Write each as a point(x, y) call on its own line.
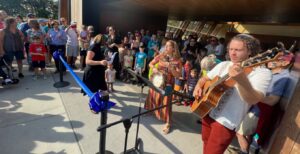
point(35, 117)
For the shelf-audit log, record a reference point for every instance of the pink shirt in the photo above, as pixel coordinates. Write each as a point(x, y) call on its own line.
point(2, 25)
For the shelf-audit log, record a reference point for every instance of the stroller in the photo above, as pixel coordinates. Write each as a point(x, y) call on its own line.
point(8, 77)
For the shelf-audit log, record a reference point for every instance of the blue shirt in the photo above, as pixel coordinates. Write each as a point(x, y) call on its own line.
point(24, 27)
point(278, 83)
point(152, 44)
point(140, 59)
point(54, 39)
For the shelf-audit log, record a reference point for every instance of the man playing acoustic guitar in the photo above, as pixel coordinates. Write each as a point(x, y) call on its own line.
point(218, 127)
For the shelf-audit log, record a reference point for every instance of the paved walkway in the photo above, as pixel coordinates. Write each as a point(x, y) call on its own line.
point(35, 117)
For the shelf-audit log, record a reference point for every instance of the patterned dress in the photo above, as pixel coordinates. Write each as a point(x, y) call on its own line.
point(154, 99)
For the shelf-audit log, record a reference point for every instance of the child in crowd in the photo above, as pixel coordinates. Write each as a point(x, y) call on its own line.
point(187, 67)
point(110, 76)
point(140, 60)
point(191, 83)
point(38, 53)
point(83, 52)
point(122, 52)
point(179, 83)
point(128, 60)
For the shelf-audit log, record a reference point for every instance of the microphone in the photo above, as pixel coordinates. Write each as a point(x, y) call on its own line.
point(167, 58)
point(145, 81)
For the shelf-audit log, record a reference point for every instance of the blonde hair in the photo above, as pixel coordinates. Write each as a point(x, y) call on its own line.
point(208, 62)
point(176, 53)
point(98, 39)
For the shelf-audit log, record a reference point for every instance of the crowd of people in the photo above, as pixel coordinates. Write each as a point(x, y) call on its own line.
point(184, 65)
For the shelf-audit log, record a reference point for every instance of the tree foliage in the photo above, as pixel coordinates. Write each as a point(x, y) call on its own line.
point(41, 8)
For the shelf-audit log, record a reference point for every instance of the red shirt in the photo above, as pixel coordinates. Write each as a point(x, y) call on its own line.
point(37, 48)
point(2, 26)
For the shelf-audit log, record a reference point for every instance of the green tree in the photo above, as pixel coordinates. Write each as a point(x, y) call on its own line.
point(41, 8)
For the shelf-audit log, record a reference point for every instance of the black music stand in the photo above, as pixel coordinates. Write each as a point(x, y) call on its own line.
point(127, 123)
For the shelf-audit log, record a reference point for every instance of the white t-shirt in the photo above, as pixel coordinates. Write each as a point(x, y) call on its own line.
point(231, 108)
point(72, 37)
point(110, 75)
point(211, 49)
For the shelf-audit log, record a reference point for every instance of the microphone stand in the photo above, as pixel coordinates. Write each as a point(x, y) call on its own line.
point(127, 122)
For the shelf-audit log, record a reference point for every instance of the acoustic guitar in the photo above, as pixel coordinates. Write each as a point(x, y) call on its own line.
point(214, 89)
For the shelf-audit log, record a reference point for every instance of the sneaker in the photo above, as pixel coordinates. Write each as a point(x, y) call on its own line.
point(35, 77)
point(21, 75)
point(8, 81)
point(185, 103)
point(191, 103)
point(45, 77)
point(56, 71)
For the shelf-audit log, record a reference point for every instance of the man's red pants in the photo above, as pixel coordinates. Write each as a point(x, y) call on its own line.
point(215, 136)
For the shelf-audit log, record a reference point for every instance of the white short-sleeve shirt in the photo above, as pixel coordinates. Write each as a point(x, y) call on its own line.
point(72, 37)
point(231, 108)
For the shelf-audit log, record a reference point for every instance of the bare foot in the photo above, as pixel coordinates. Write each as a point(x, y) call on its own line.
point(166, 129)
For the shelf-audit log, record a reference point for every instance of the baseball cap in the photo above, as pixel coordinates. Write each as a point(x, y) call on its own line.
point(73, 23)
point(30, 15)
point(42, 20)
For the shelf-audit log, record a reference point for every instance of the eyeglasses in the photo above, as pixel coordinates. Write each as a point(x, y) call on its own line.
point(213, 40)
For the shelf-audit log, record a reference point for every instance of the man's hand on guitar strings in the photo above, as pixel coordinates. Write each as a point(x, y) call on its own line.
point(197, 92)
point(236, 71)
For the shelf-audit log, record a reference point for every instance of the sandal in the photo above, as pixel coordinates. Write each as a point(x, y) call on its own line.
point(166, 129)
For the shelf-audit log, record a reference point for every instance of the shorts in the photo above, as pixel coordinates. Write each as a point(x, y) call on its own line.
point(138, 70)
point(9, 56)
point(72, 51)
point(83, 52)
point(248, 125)
point(38, 64)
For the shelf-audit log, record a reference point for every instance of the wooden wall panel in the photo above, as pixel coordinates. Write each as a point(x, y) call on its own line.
point(287, 138)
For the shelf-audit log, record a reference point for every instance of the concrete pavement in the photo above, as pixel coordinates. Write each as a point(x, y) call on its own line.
point(35, 117)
